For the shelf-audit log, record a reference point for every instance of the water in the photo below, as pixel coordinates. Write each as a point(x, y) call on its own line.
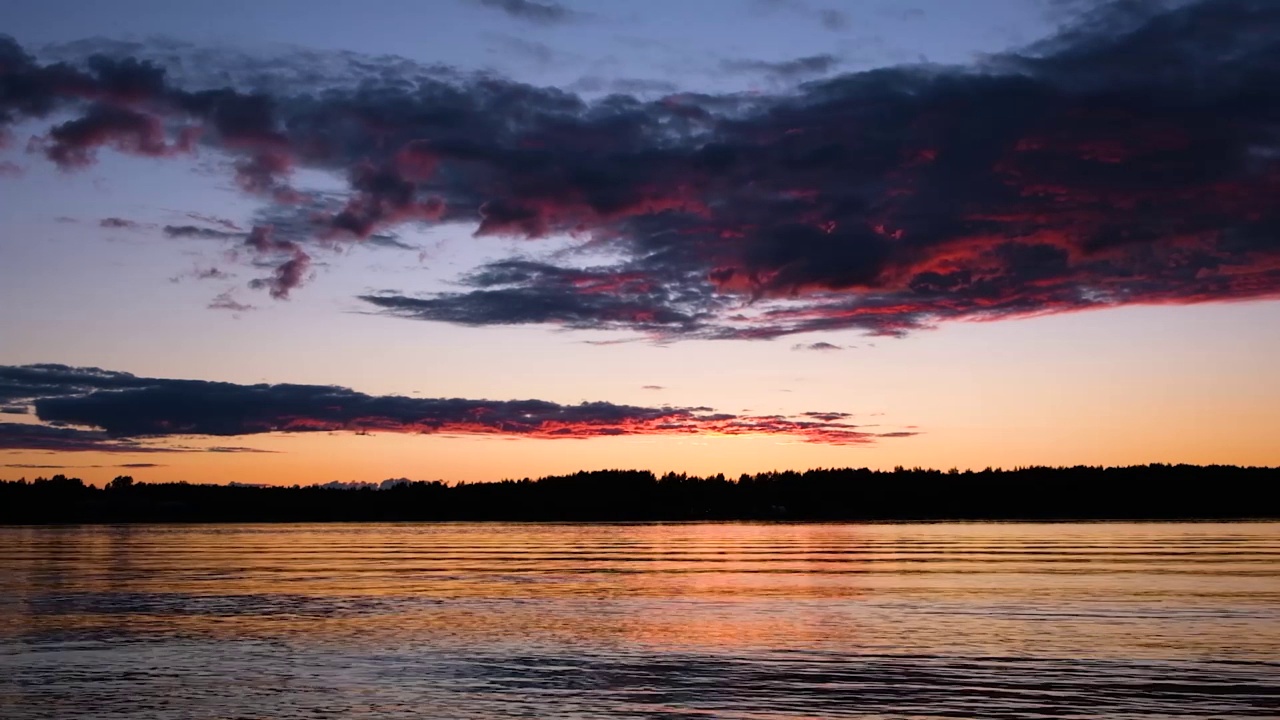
point(640, 621)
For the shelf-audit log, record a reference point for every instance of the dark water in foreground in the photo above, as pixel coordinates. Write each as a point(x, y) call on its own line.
point(638, 621)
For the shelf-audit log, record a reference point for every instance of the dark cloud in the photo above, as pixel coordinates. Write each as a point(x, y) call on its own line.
point(818, 346)
point(209, 273)
point(295, 227)
point(9, 169)
point(195, 231)
point(118, 223)
point(288, 275)
point(632, 86)
point(528, 50)
point(832, 19)
point(223, 223)
point(92, 409)
point(1070, 11)
point(519, 292)
point(23, 383)
point(290, 262)
point(389, 240)
point(129, 466)
point(545, 12)
point(785, 69)
point(14, 410)
point(626, 86)
point(829, 18)
point(58, 439)
point(1133, 158)
point(75, 143)
point(25, 436)
point(829, 416)
point(652, 387)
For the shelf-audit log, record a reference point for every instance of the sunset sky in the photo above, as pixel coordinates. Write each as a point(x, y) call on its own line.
point(290, 242)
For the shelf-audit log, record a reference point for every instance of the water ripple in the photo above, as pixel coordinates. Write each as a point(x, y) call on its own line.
point(760, 621)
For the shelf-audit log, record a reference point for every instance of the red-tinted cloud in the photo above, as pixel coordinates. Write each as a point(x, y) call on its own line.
point(1131, 159)
point(290, 272)
point(122, 408)
point(74, 144)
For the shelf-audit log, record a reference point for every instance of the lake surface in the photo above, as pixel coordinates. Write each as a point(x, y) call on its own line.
point(640, 621)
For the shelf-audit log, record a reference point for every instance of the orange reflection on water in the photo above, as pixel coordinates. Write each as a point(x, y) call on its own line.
point(1090, 590)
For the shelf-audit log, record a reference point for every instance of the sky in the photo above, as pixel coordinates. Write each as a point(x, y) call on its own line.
point(299, 242)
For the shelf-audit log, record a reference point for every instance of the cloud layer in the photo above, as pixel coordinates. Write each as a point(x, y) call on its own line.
point(94, 409)
point(1132, 159)
point(539, 13)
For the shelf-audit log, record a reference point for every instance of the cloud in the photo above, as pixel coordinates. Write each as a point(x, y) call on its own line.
point(224, 301)
point(93, 409)
point(211, 273)
point(204, 233)
point(545, 12)
point(26, 436)
point(829, 18)
point(290, 271)
point(199, 273)
point(74, 144)
point(289, 261)
point(529, 50)
point(518, 292)
point(626, 86)
point(10, 169)
point(832, 19)
point(818, 346)
point(22, 383)
point(14, 410)
point(118, 223)
point(652, 387)
point(786, 69)
point(639, 86)
point(390, 240)
point(130, 466)
point(223, 223)
point(1130, 159)
point(829, 416)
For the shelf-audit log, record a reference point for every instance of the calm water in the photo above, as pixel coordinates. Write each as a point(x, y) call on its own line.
point(703, 621)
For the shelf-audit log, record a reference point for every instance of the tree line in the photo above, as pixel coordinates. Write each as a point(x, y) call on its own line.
point(1143, 492)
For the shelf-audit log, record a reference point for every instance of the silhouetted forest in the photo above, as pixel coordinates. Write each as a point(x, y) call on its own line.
point(1033, 493)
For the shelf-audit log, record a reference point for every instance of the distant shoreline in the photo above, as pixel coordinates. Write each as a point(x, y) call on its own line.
point(1145, 493)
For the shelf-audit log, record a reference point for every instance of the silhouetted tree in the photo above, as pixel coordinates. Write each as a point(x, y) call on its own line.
point(1031, 493)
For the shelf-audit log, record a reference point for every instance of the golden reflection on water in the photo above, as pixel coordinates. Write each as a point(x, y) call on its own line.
point(1007, 587)
point(1161, 593)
